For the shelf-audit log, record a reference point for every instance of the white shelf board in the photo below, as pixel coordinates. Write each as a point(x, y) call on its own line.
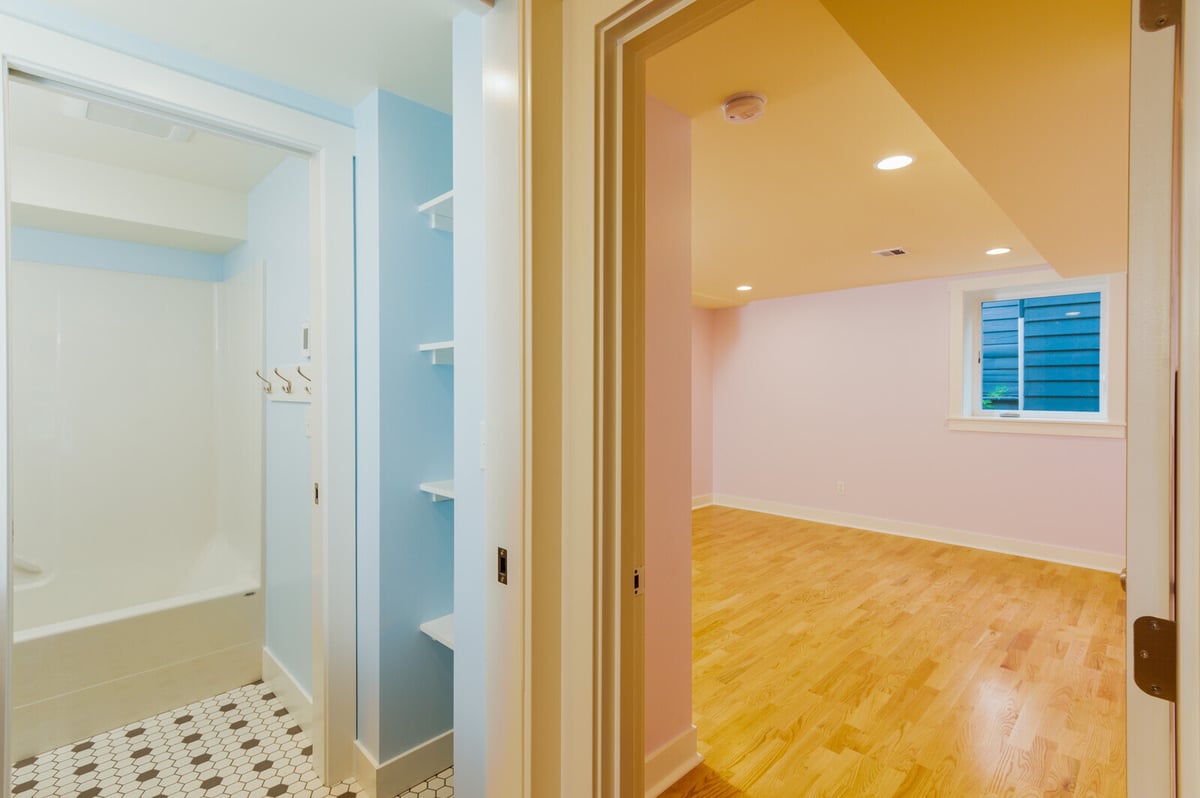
point(441, 630)
point(440, 491)
point(441, 353)
point(441, 211)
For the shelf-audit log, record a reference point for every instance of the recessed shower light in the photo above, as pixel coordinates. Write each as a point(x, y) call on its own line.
point(998, 251)
point(744, 287)
point(893, 162)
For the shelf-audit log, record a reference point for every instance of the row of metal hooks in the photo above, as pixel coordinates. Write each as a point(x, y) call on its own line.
point(269, 387)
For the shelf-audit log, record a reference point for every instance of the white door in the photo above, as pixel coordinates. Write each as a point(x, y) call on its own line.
point(1151, 517)
point(6, 546)
point(1187, 513)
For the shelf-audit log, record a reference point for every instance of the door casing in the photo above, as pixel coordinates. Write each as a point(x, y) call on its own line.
point(600, 653)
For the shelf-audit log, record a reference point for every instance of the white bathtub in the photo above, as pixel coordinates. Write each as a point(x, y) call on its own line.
point(137, 507)
point(74, 678)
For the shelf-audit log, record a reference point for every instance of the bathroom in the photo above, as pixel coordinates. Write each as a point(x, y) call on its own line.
point(161, 390)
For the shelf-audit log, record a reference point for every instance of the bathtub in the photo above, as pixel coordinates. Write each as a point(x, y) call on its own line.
point(75, 677)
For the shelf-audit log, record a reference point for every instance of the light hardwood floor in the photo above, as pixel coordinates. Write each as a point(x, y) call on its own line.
point(835, 662)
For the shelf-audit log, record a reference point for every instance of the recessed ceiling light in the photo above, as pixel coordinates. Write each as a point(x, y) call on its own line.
point(894, 162)
point(744, 287)
point(998, 251)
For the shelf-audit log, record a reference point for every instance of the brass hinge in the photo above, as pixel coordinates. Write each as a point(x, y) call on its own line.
point(1159, 14)
point(1154, 659)
point(316, 493)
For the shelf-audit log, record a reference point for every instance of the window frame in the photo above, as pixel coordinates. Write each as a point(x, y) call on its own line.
point(966, 369)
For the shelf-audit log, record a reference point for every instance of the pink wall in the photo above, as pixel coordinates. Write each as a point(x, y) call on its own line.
point(668, 430)
point(852, 385)
point(702, 417)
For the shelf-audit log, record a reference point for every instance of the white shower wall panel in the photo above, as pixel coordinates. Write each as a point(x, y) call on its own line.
point(114, 459)
point(138, 479)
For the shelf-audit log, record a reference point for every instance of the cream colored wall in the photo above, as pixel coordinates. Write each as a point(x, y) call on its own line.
point(1036, 107)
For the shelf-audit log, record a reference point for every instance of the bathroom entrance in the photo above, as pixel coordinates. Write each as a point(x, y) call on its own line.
point(179, 554)
point(161, 393)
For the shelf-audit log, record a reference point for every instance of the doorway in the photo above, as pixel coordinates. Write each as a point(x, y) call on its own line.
point(323, 153)
point(617, 66)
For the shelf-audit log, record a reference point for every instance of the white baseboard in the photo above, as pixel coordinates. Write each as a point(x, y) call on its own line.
point(1049, 552)
point(295, 699)
point(400, 772)
point(671, 762)
point(702, 501)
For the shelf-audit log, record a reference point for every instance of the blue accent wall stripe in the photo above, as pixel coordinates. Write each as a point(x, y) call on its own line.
point(69, 249)
point(45, 15)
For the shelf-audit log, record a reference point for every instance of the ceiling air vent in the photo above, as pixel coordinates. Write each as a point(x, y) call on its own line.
point(890, 253)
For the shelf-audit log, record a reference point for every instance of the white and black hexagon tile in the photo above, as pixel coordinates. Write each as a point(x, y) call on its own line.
point(240, 744)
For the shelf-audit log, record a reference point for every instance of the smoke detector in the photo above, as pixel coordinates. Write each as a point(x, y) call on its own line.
point(743, 107)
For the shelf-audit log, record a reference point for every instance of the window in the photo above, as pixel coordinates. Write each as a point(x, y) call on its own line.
point(1034, 353)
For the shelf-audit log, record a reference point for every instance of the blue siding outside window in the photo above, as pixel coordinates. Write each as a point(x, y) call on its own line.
point(1042, 354)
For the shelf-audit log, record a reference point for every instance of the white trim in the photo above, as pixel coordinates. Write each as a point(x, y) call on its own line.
point(1150, 750)
point(1037, 426)
point(404, 770)
point(330, 146)
point(295, 699)
point(671, 762)
point(1187, 532)
point(1049, 552)
point(702, 501)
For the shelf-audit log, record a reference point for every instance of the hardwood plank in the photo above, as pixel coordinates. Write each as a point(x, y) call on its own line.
point(830, 661)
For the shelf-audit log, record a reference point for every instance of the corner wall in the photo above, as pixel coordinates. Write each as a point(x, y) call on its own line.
point(702, 408)
point(851, 386)
point(668, 434)
point(277, 235)
point(405, 432)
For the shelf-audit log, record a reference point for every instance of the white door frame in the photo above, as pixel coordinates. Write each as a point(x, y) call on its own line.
point(330, 149)
point(591, 49)
point(1187, 509)
point(1149, 431)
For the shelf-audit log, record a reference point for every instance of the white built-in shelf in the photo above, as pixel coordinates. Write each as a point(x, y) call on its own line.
point(440, 491)
point(441, 211)
point(441, 353)
point(441, 630)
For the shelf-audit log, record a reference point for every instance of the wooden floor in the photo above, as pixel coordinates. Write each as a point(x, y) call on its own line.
point(835, 662)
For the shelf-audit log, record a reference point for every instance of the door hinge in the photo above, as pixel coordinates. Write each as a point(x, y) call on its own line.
point(316, 493)
point(1154, 659)
point(1159, 14)
point(639, 580)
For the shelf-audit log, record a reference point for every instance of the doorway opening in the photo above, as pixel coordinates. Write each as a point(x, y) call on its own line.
point(839, 376)
point(170, 391)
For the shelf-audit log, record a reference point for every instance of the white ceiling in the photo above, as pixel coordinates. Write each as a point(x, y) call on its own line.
point(338, 51)
point(75, 175)
point(43, 120)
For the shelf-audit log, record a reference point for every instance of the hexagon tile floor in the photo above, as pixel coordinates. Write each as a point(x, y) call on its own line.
point(240, 744)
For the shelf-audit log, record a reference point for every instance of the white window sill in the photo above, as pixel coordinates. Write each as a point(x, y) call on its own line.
point(1037, 426)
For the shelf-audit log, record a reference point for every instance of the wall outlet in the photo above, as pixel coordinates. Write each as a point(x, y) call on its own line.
point(840, 487)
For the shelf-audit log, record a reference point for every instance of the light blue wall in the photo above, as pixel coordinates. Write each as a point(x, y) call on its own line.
point(472, 561)
point(278, 235)
point(78, 26)
point(68, 249)
point(405, 548)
